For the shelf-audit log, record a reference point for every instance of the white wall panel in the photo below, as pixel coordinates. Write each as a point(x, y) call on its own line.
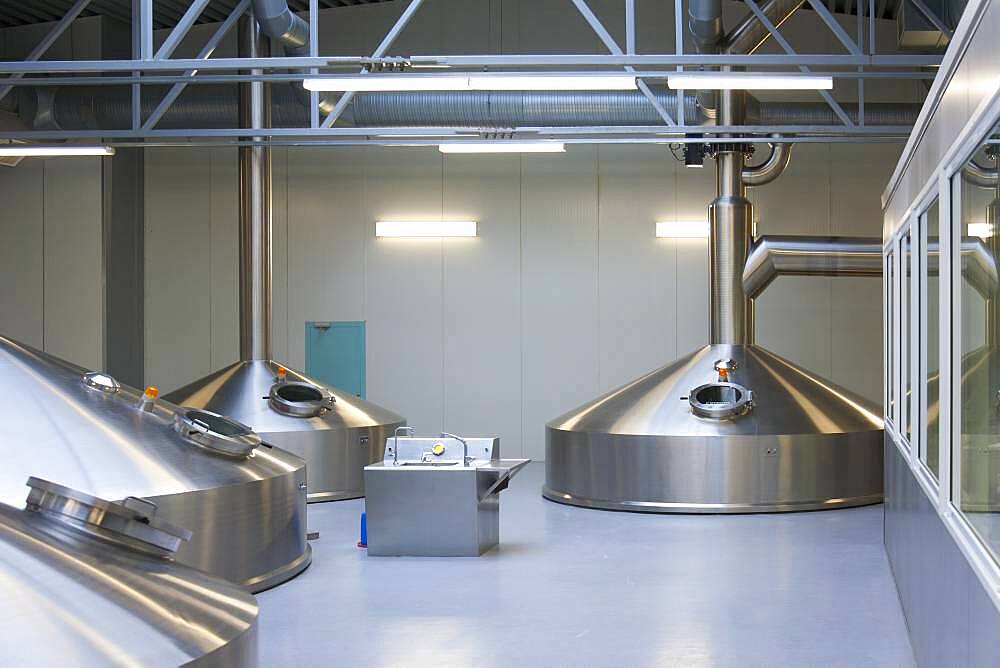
point(179, 276)
point(404, 289)
point(73, 248)
point(21, 257)
point(224, 260)
point(482, 300)
point(559, 287)
point(637, 271)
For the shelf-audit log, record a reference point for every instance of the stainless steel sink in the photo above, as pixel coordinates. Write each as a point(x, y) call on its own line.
point(436, 496)
point(429, 463)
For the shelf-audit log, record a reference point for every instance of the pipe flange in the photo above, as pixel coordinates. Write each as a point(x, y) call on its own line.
point(215, 432)
point(299, 399)
point(720, 401)
point(131, 523)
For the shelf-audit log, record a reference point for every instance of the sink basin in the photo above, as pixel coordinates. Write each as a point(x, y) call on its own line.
point(428, 464)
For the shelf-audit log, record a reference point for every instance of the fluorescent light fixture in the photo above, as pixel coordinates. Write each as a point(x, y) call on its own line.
point(749, 81)
point(981, 230)
point(502, 146)
point(368, 83)
point(28, 150)
point(426, 228)
point(372, 83)
point(682, 229)
point(552, 82)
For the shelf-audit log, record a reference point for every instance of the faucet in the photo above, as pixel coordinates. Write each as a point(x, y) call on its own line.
point(395, 442)
point(465, 458)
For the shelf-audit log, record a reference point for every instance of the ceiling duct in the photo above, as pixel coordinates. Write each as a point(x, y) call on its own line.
point(731, 427)
point(928, 27)
point(214, 106)
point(88, 582)
point(242, 499)
point(336, 432)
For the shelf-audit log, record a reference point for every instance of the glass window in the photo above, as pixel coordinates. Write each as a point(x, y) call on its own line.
point(977, 391)
point(905, 337)
point(930, 311)
point(891, 344)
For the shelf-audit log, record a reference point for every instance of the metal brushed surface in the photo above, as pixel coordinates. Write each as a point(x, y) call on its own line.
point(806, 443)
point(247, 514)
point(69, 599)
point(337, 445)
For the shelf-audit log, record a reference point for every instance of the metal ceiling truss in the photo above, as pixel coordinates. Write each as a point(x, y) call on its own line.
point(159, 67)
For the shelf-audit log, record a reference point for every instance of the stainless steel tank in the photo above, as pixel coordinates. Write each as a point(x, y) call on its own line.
point(337, 433)
point(87, 582)
point(772, 437)
point(729, 428)
point(243, 499)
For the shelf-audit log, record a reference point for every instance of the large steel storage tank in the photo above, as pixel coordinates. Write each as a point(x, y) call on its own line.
point(243, 498)
point(87, 582)
point(337, 433)
point(767, 436)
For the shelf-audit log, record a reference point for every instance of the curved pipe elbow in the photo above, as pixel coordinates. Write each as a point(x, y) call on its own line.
point(977, 175)
point(278, 22)
point(774, 256)
point(770, 169)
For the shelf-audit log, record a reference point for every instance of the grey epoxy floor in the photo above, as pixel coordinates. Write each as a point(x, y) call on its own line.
point(575, 587)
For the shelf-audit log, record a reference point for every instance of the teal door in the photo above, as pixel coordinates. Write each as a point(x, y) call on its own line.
point(335, 354)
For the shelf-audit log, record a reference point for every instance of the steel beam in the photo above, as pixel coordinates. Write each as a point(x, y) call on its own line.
point(630, 27)
point(142, 48)
point(591, 133)
point(679, 50)
point(387, 41)
point(57, 30)
point(205, 53)
point(779, 38)
point(835, 27)
point(532, 60)
point(313, 52)
point(181, 29)
point(203, 79)
point(612, 46)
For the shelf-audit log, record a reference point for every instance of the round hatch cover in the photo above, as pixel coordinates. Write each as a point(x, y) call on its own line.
point(720, 400)
point(300, 399)
point(131, 523)
point(215, 432)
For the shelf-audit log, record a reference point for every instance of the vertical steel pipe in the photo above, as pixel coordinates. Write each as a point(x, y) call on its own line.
point(255, 203)
point(993, 243)
point(730, 218)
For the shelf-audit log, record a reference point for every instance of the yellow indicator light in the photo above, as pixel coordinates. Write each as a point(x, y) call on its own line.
point(438, 449)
